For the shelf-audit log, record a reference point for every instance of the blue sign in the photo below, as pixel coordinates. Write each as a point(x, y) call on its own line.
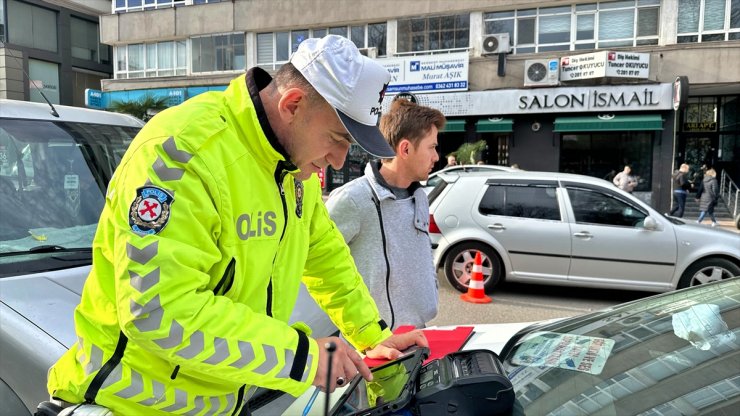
point(94, 99)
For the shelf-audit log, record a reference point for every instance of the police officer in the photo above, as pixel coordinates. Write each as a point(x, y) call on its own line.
point(211, 221)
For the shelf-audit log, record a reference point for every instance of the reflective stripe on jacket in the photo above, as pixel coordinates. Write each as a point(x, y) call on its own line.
point(199, 310)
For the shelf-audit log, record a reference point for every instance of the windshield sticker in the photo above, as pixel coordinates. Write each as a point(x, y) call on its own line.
point(703, 326)
point(572, 352)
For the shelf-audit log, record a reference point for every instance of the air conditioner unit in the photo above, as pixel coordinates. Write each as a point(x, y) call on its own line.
point(541, 72)
point(371, 52)
point(496, 43)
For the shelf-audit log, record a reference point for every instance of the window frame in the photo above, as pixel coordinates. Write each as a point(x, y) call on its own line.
point(458, 17)
point(191, 55)
point(346, 31)
point(507, 185)
point(514, 18)
point(123, 52)
point(728, 32)
point(613, 196)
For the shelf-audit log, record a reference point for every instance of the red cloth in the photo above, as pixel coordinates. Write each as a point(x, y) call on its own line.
point(441, 342)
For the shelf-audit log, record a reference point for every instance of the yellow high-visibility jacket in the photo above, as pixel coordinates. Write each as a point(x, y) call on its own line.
point(197, 262)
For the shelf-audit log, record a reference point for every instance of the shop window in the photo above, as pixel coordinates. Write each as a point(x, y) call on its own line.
point(604, 154)
point(86, 43)
point(45, 76)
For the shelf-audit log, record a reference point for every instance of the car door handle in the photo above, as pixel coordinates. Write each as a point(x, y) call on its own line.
point(584, 234)
point(496, 226)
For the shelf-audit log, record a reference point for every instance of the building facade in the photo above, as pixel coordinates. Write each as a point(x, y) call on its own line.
point(573, 86)
point(52, 48)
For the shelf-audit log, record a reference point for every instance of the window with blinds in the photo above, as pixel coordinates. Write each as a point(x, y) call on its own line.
point(145, 60)
point(578, 26)
point(274, 48)
point(708, 20)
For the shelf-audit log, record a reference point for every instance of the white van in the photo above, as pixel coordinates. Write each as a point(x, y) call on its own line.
point(53, 173)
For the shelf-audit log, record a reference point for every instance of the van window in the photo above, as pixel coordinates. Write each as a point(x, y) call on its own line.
point(53, 177)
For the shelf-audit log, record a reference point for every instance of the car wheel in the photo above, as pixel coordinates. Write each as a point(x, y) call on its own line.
point(708, 270)
point(459, 266)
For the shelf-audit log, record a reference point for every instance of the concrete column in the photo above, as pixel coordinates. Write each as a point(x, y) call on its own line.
point(11, 74)
point(391, 38)
point(476, 32)
point(668, 22)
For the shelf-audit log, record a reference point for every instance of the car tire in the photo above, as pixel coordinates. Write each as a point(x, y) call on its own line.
point(708, 270)
point(458, 266)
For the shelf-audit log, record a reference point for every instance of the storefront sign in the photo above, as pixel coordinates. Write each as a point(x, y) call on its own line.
point(430, 73)
point(94, 99)
point(605, 64)
point(700, 126)
point(589, 65)
point(601, 99)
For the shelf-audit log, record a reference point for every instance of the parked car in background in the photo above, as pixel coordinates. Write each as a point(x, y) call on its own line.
point(669, 354)
point(53, 176)
point(435, 177)
point(565, 229)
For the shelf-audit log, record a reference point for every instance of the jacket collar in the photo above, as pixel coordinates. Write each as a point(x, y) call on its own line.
point(377, 181)
point(243, 99)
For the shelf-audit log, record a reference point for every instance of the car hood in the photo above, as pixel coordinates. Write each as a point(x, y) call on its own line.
point(47, 300)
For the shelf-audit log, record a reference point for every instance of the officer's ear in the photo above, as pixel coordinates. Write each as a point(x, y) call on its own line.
point(292, 101)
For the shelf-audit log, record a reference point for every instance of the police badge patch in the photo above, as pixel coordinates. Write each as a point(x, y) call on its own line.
point(298, 197)
point(150, 211)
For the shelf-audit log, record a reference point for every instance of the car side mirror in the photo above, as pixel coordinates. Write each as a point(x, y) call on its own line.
point(649, 223)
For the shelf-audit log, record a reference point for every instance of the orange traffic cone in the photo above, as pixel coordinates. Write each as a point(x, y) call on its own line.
point(476, 293)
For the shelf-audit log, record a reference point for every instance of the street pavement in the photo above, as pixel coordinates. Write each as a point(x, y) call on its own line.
point(519, 302)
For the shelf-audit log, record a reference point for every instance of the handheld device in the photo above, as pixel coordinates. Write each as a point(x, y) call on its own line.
point(469, 383)
point(391, 390)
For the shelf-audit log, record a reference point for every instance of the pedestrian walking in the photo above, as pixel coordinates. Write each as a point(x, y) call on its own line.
point(708, 196)
point(681, 187)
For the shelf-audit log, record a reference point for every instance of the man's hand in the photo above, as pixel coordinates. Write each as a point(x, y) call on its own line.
point(391, 348)
point(346, 363)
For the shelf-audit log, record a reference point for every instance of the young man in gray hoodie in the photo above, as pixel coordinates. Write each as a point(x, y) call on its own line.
point(384, 217)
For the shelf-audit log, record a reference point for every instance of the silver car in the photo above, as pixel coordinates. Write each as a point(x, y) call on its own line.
point(565, 229)
point(436, 177)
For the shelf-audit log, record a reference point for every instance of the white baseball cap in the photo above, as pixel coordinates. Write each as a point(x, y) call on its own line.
point(351, 83)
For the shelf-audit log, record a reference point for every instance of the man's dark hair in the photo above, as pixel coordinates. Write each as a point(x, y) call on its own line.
point(290, 77)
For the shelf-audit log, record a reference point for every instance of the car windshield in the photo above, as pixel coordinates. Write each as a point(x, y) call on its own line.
point(52, 181)
point(676, 353)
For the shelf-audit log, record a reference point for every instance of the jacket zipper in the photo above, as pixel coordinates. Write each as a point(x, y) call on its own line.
point(385, 255)
point(227, 280)
point(279, 178)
